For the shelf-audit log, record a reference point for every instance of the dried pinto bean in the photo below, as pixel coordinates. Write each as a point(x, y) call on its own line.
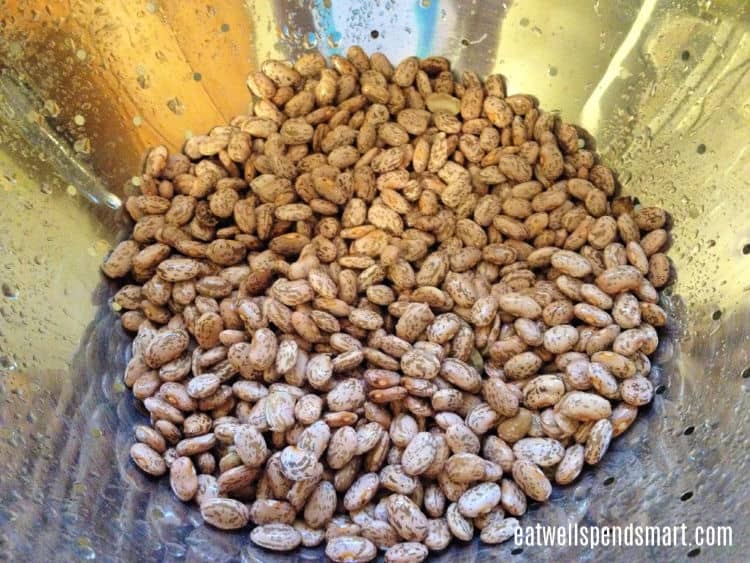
point(382, 295)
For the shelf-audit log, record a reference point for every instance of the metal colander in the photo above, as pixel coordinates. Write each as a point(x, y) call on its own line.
point(86, 86)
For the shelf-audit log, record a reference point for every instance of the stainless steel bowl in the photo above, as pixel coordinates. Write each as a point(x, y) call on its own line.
point(86, 86)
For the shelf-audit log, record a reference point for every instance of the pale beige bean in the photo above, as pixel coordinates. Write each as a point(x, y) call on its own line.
point(560, 339)
point(183, 479)
point(592, 315)
point(419, 454)
point(519, 305)
point(406, 552)
point(617, 279)
point(346, 395)
point(602, 380)
point(531, 480)
point(350, 549)
point(653, 314)
point(529, 331)
point(571, 263)
point(394, 478)
point(584, 407)
point(598, 441)
point(544, 452)
point(499, 531)
point(310, 537)
point(626, 311)
point(570, 466)
point(420, 364)
point(522, 366)
point(637, 391)
point(361, 492)
point(618, 365)
point(461, 527)
point(461, 439)
point(500, 397)
point(251, 445)
point(481, 418)
point(279, 411)
point(629, 342)
point(577, 375)
point(480, 499)
point(461, 374)
point(166, 346)
point(543, 391)
point(208, 488)
point(321, 505)
point(148, 460)
point(464, 468)
point(406, 518)
point(276, 537)
point(271, 511)
point(513, 429)
point(308, 409)
point(342, 447)
point(225, 513)
point(513, 499)
point(622, 417)
point(595, 296)
point(150, 437)
point(297, 464)
point(439, 534)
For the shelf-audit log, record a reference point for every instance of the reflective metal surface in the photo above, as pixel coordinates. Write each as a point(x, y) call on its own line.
point(86, 86)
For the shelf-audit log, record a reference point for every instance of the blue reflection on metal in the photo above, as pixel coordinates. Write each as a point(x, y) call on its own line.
point(323, 17)
point(426, 15)
point(423, 18)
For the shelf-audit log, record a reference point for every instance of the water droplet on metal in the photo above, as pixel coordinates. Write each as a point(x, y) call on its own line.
point(79, 120)
point(45, 188)
point(9, 291)
point(52, 108)
point(176, 106)
point(7, 363)
point(82, 145)
point(310, 40)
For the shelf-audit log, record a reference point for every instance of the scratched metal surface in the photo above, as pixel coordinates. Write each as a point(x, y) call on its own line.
point(85, 87)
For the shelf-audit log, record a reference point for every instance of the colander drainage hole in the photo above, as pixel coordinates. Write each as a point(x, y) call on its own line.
point(660, 389)
point(717, 315)
point(608, 481)
point(746, 249)
point(686, 496)
point(516, 551)
point(689, 430)
point(694, 552)
point(374, 34)
point(746, 374)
